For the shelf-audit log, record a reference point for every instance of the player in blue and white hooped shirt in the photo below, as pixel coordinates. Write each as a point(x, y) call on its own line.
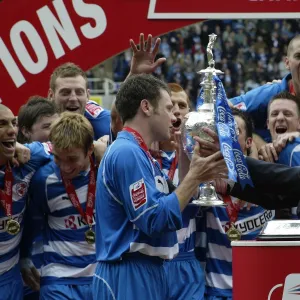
point(11, 284)
point(213, 245)
point(34, 121)
point(62, 192)
point(185, 276)
point(68, 90)
point(136, 216)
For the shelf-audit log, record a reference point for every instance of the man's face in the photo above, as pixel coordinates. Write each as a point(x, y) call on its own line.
point(180, 108)
point(70, 94)
point(8, 135)
point(244, 141)
point(163, 118)
point(283, 117)
point(71, 161)
point(293, 64)
point(40, 130)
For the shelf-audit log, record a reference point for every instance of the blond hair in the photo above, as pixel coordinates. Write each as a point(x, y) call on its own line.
point(72, 130)
point(66, 70)
point(176, 88)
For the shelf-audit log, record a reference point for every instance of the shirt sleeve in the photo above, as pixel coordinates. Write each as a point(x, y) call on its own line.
point(40, 154)
point(290, 155)
point(143, 194)
point(99, 119)
point(35, 213)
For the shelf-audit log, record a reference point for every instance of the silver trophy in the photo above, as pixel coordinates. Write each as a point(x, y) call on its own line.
point(204, 117)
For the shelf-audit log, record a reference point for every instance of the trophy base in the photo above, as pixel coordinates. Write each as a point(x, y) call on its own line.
point(206, 202)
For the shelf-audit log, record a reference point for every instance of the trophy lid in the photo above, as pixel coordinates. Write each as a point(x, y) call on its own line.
point(280, 230)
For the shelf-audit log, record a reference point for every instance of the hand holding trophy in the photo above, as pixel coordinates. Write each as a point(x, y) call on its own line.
point(215, 114)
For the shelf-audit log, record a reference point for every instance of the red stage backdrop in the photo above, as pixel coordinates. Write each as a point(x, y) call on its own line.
point(38, 35)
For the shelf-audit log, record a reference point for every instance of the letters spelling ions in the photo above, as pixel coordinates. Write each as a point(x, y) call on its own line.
point(54, 28)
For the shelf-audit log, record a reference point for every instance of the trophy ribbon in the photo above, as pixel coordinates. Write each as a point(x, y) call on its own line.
point(232, 210)
point(12, 226)
point(228, 137)
point(90, 236)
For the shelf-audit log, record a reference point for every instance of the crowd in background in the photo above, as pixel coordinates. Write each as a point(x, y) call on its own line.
point(249, 52)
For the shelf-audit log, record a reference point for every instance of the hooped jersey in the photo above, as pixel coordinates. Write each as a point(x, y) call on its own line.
point(67, 257)
point(9, 244)
point(134, 211)
point(187, 234)
point(215, 247)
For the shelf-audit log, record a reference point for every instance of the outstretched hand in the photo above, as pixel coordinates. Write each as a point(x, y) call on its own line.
point(143, 58)
point(208, 168)
point(207, 148)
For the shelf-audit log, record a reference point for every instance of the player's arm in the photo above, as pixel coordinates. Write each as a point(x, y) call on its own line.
point(34, 218)
point(40, 154)
point(275, 185)
point(147, 206)
point(143, 56)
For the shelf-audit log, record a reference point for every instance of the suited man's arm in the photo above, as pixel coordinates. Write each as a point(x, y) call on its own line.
point(264, 199)
point(274, 178)
point(275, 186)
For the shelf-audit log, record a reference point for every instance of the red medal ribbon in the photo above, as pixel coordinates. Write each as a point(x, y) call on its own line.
point(139, 140)
point(232, 210)
point(6, 194)
point(172, 169)
point(90, 200)
point(291, 88)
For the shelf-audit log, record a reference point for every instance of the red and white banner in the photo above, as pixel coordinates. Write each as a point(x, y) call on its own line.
point(228, 9)
point(266, 270)
point(38, 35)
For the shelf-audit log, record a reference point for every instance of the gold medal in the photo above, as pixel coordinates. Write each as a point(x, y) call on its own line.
point(90, 236)
point(13, 227)
point(233, 234)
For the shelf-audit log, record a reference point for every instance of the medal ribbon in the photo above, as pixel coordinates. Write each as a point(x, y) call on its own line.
point(90, 201)
point(231, 209)
point(140, 141)
point(6, 194)
point(291, 88)
point(173, 167)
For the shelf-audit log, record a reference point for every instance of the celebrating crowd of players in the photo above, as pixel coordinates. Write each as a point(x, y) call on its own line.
point(96, 203)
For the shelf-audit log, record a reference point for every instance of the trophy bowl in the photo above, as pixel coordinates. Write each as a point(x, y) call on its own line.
point(194, 122)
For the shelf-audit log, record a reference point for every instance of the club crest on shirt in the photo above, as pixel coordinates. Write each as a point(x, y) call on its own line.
point(48, 147)
point(93, 109)
point(138, 194)
point(241, 106)
point(21, 188)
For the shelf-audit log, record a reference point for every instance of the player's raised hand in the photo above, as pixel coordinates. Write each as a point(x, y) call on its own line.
point(143, 58)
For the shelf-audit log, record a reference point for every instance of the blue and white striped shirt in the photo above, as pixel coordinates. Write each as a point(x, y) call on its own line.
point(9, 244)
point(68, 258)
point(217, 247)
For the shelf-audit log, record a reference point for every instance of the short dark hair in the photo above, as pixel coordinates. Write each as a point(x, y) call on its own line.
point(291, 44)
point(247, 120)
point(29, 113)
point(66, 70)
point(134, 90)
point(285, 95)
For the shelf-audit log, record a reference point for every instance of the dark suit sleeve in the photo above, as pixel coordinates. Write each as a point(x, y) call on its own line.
point(275, 185)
